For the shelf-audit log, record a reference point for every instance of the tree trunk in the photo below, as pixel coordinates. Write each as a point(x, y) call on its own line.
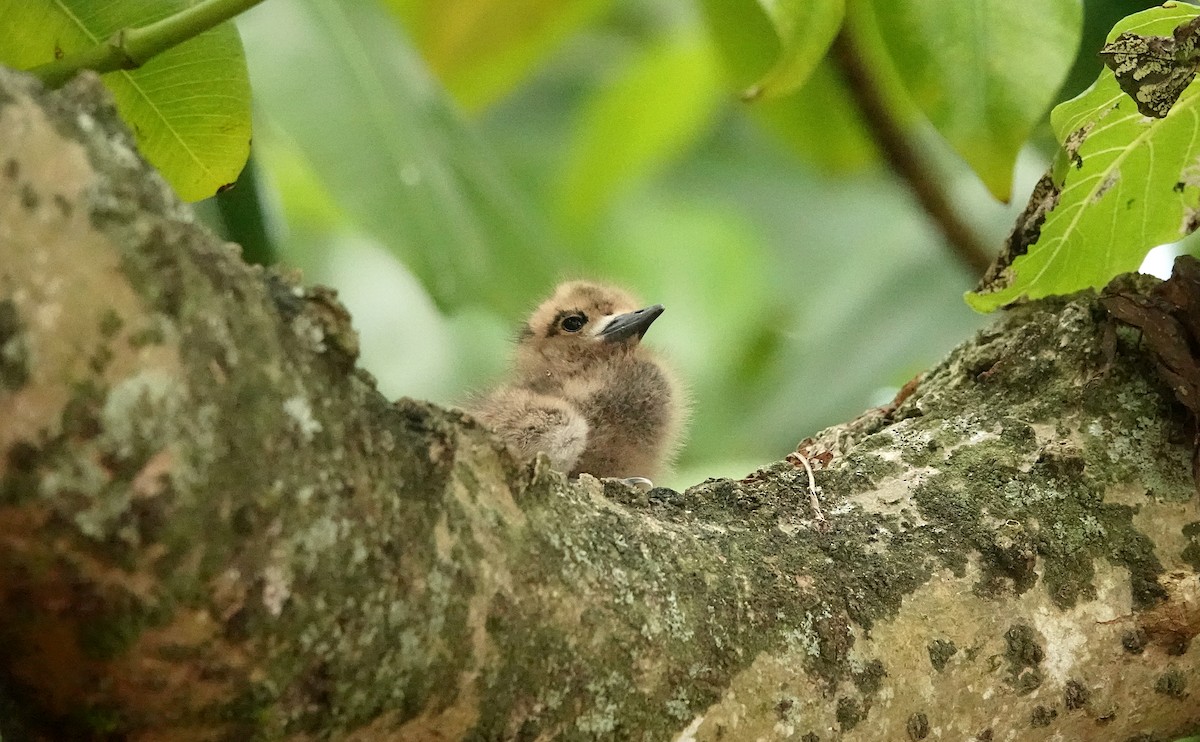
point(212, 526)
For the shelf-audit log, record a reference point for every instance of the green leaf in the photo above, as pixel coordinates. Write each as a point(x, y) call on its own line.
point(639, 123)
point(381, 138)
point(770, 48)
point(480, 49)
point(1127, 183)
point(188, 108)
point(820, 124)
point(745, 38)
point(983, 71)
point(805, 29)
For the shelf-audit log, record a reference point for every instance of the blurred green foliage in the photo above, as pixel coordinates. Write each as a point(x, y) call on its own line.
point(804, 31)
point(445, 162)
point(347, 99)
point(608, 152)
point(481, 49)
point(496, 149)
point(796, 295)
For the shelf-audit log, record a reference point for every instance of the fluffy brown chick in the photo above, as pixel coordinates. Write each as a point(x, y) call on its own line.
point(584, 390)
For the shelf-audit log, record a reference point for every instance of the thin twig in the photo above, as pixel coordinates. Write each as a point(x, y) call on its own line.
point(130, 48)
point(813, 502)
point(903, 158)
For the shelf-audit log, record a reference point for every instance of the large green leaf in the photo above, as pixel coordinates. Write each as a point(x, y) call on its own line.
point(480, 49)
point(805, 29)
point(983, 71)
point(745, 37)
point(772, 47)
point(638, 123)
point(819, 121)
point(189, 107)
point(1127, 183)
point(380, 136)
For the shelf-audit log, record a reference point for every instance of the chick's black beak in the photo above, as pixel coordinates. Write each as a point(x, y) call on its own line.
point(625, 326)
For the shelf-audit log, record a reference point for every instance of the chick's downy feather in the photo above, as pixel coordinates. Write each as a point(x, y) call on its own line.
point(584, 390)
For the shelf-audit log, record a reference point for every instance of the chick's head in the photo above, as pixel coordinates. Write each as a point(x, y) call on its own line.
point(582, 322)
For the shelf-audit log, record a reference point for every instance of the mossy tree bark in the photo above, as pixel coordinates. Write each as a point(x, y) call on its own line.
point(213, 527)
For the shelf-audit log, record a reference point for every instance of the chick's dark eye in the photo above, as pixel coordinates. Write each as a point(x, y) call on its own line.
point(574, 322)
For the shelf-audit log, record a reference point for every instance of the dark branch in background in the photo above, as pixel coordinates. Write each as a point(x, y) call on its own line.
point(903, 158)
point(130, 48)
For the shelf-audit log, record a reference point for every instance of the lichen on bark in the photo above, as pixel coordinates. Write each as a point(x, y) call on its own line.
point(212, 526)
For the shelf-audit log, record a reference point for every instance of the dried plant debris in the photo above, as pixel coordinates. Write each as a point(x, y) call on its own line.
point(1026, 231)
point(1155, 70)
point(1168, 316)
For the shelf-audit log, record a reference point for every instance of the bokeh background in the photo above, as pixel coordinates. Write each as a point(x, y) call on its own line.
point(442, 163)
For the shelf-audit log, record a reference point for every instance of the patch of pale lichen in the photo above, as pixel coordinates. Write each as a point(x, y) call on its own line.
point(712, 578)
point(1022, 477)
point(295, 560)
point(383, 592)
point(861, 471)
point(14, 352)
point(1134, 435)
point(1021, 497)
point(224, 484)
point(1006, 480)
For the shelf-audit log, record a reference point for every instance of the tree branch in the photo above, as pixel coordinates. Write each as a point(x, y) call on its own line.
point(903, 158)
point(130, 48)
point(212, 526)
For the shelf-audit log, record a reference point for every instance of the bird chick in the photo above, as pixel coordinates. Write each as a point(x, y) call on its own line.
point(584, 390)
